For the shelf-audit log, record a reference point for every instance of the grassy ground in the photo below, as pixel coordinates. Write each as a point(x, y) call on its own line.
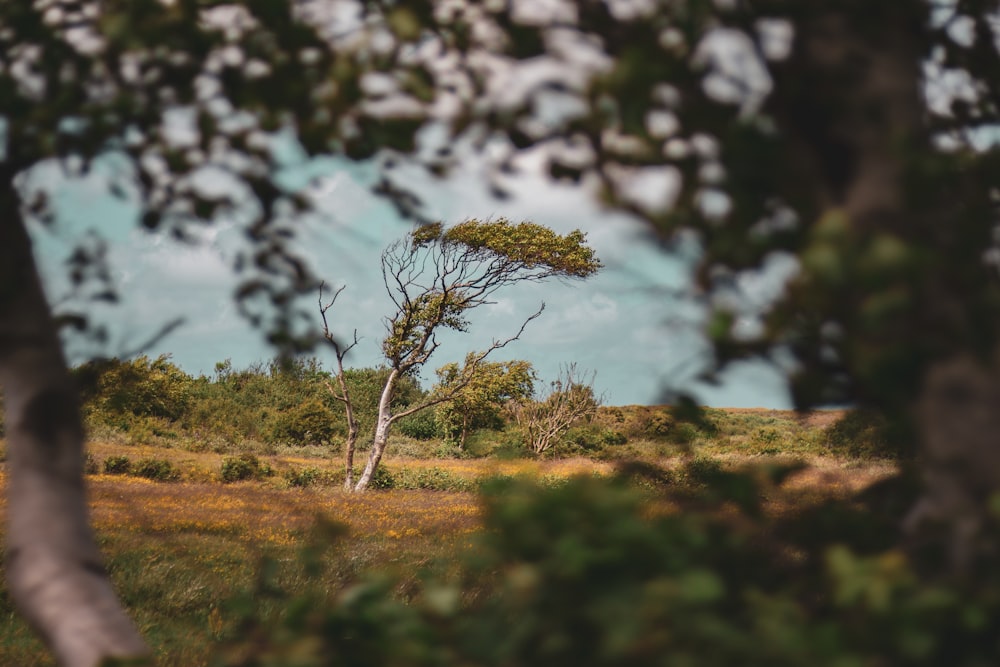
point(177, 550)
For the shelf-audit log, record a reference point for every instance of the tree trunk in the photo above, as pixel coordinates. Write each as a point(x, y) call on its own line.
point(849, 100)
point(352, 441)
point(382, 426)
point(352, 430)
point(54, 569)
point(959, 424)
point(465, 430)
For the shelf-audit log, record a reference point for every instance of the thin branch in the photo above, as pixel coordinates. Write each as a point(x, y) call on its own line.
point(470, 371)
point(327, 334)
point(163, 332)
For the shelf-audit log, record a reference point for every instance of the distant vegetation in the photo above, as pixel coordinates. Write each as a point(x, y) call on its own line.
point(258, 408)
point(269, 408)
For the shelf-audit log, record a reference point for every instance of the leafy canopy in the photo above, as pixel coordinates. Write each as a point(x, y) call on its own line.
point(525, 245)
point(436, 275)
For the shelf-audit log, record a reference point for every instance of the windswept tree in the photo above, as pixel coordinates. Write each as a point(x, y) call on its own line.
point(437, 276)
point(486, 390)
point(568, 400)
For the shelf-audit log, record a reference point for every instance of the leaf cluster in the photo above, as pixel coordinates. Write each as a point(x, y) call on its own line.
point(528, 245)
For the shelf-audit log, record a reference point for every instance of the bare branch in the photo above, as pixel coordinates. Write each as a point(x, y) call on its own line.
point(470, 369)
point(340, 351)
point(163, 332)
point(570, 399)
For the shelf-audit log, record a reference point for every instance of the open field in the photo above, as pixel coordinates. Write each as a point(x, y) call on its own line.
point(179, 550)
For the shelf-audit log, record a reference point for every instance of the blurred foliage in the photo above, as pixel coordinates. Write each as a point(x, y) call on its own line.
point(688, 570)
point(868, 434)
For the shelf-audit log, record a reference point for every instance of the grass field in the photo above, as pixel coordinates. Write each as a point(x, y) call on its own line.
point(178, 550)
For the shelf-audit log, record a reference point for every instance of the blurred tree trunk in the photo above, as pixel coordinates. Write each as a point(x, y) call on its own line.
point(850, 100)
point(54, 569)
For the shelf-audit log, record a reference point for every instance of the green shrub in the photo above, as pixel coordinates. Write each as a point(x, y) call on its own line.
point(702, 470)
point(613, 438)
point(115, 390)
point(160, 470)
point(581, 439)
point(382, 479)
point(311, 476)
point(245, 466)
point(684, 433)
point(302, 477)
point(767, 437)
point(311, 423)
point(432, 479)
point(117, 465)
point(421, 425)
point(590, 439)
point(638, 422)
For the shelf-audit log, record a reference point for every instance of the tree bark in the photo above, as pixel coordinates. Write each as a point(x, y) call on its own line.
point(351, 445)
point(54, 570)
point(382, 427)
point(850, 103)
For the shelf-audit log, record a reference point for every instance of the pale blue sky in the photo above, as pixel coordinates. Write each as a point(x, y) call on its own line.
point(627, 323)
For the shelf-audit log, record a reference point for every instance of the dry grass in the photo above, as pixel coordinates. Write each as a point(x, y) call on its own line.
point(178, 550)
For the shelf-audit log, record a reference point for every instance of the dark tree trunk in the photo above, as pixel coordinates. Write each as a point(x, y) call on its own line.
point(54, 569)
point(850, 105)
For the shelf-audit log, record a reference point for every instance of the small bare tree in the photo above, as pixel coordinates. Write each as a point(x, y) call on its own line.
point(569, 399)
point(343, 395)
